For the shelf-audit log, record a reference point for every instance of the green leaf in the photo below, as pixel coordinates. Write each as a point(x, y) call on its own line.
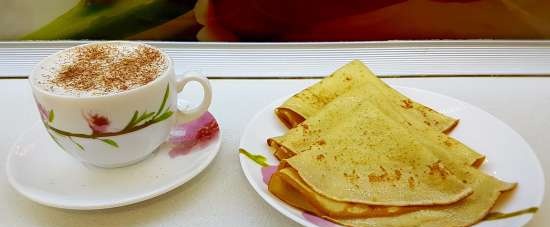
point(164, 99)
point(110, 142)
point(258, 159)
point(142, 117)
point(145, 116)
point(79, 146)
point(55, 140)
point(51, 116)
point(499, 215)
point(163, 116)
point(131, 123)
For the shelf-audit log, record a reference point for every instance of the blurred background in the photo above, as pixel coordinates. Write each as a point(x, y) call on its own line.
point(274, 20)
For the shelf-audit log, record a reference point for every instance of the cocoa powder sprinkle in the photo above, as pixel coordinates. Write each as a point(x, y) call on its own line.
point(106, 69)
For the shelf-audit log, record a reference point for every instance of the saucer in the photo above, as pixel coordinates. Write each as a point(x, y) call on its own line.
point(41, 171)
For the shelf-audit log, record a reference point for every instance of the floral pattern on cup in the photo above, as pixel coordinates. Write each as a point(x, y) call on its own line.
point(197, 133)
point(44, 114)
point(99, 124)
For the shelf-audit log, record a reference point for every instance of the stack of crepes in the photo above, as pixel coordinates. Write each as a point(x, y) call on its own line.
point(359, 153)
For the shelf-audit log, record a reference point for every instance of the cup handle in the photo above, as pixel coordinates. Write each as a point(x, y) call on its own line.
point(185, 114)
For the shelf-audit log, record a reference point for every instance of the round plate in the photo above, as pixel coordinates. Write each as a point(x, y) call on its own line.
point(505, 150)
point(41, 171)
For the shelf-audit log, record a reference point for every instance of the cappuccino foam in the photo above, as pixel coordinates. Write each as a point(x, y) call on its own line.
point(100, 69)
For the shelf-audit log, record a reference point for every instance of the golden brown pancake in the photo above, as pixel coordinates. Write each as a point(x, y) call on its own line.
point(361, 154)
point(351, 76)
point(466, 212)
point(290, 195)
point(343, 108)
point(366, 86)
point(289, 187)
point(486, 190)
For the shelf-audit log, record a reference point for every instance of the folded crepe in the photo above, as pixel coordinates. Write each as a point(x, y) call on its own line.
point(466, 212)
point(287, 185)
point(328, 169)
point(346, 107)
point(327, 180)
point(353, 75)
point(355, 81)
point(463, 213)
point(364, 156)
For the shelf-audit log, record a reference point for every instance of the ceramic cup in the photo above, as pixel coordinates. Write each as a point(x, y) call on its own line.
point(117, 129)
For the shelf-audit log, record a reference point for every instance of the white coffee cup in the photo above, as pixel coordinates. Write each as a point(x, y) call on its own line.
point(116, 129)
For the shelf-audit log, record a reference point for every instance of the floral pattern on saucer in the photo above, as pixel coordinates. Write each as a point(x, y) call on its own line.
point(317, 220)
point(197, 133)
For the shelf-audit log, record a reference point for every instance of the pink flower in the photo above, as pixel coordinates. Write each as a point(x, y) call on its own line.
point(317, 220)
point(97, 123)
point(267, 172)
point(186, 136)
point(43, 112)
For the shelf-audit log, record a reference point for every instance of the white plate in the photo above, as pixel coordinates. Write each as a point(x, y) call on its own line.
point(40, 170)
point(509, 157)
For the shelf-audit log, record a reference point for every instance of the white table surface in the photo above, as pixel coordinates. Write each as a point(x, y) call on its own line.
point(221, 196)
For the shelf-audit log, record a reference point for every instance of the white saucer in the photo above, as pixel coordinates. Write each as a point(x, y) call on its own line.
point(38, 169)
